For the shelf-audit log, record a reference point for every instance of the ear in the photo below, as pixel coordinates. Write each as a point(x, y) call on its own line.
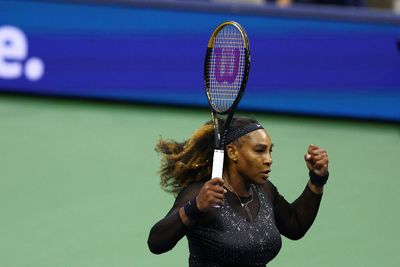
point(231, 152)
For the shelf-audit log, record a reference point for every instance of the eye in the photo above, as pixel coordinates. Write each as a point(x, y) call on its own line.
point(260, 150)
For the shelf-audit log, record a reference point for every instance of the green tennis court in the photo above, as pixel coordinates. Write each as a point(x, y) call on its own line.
point(79, 184)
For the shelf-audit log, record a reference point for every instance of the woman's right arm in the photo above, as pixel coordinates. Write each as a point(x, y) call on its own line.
point(168, 231)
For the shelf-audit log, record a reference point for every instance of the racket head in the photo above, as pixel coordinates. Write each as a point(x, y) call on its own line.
point(226, 67)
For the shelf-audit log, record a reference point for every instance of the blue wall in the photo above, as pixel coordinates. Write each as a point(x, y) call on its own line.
point(300, 63)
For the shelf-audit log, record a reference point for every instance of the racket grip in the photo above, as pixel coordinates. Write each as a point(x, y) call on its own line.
point(218, 166)
point(218, 163)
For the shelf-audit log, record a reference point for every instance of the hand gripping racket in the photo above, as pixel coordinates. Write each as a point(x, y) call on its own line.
point(226, 70)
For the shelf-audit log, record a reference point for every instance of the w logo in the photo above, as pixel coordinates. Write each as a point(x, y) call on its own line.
point(226, 64)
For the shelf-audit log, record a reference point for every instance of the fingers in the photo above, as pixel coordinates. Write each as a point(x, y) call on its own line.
point(211, 194)
point(321, 163)
point(216, 181)
point(315, 150)
point(218, 193)
point(215, 185)
point(311, 148)
point(211, 199)
point(315, 153)
point(217, 199)
point(317, 159)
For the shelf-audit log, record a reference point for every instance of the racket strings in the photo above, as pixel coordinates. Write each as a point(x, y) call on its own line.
point(226, 67)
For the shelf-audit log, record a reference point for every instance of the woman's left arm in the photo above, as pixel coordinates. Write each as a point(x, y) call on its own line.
point(293, 220)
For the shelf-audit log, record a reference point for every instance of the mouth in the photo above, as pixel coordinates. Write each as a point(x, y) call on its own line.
point(266, 173)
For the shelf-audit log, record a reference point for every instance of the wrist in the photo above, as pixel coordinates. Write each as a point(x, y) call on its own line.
point(315, 189)
point(318, 181)
point(192, 212)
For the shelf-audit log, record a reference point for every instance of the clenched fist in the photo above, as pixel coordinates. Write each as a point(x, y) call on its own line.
point(317, 160)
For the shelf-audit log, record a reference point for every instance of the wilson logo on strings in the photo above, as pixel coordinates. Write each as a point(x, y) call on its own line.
point(226, 64)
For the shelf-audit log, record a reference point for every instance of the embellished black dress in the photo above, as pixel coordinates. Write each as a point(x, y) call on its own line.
point(233, 235)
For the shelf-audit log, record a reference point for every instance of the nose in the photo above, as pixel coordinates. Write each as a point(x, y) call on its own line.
point(268, 159)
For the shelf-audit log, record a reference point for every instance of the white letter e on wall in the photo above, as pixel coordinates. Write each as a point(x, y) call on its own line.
point(13, 50)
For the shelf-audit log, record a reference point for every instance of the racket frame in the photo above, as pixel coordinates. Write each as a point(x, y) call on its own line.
point(218, 157)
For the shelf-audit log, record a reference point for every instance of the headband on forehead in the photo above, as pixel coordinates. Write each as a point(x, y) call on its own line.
point(242, 130)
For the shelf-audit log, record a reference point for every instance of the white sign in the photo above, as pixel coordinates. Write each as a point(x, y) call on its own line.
point(14, 60)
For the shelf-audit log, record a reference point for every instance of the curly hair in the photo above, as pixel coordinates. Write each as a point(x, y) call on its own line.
point(183, 163)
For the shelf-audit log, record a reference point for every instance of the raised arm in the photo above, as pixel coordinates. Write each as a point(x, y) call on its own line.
point(293, 220)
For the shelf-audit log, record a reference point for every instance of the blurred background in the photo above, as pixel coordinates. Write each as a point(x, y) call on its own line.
point(88, 87)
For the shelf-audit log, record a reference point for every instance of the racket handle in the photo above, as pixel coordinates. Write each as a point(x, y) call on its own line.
point(217, 167)
point(218, 163)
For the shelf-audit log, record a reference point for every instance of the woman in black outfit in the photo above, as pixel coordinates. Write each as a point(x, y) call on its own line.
point(238, 219)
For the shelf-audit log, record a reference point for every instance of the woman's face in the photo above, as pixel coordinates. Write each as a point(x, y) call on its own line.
point(254, 157)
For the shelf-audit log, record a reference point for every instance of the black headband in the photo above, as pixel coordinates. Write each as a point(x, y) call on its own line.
point(242, 130)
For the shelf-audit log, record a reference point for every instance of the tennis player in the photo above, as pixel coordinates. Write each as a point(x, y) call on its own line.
point(237, 219)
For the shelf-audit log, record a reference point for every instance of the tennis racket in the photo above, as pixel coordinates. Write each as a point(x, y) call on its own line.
point(226, 70)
